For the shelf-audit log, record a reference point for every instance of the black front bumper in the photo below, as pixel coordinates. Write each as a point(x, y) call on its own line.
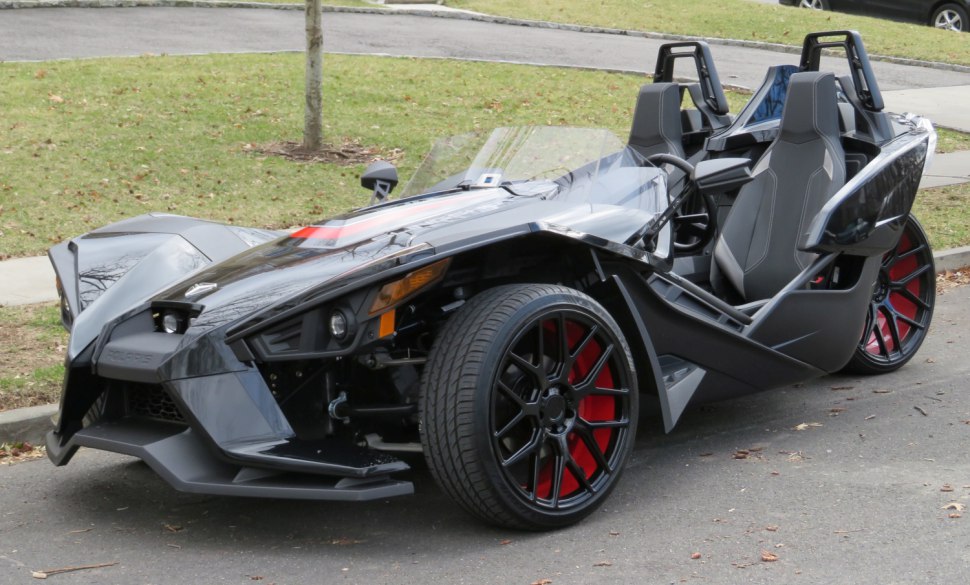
point(218, 433)
point(177, 454)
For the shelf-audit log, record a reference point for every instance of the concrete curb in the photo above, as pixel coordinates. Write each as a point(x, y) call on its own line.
point(953, 259)
point(28, 425)
point(444, 12)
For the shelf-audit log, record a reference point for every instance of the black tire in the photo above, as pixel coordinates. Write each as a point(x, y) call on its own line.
point(950, 17)
point(901, 307)
point(528, 406)
point(814, 4)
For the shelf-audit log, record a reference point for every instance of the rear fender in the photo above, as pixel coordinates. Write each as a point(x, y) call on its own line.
point(867, 216)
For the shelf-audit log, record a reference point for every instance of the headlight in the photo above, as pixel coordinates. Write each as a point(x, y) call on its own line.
point(172, 322)
point(338, 325)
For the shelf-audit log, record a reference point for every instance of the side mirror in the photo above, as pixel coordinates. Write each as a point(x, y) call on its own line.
point(381, 178)
point(721, 175)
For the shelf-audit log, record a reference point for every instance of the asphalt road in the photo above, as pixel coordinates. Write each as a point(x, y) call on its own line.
point(856, 500)
point(67, 33)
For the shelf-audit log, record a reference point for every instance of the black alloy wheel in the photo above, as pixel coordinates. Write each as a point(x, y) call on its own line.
point(529, 406)
point(901, 307)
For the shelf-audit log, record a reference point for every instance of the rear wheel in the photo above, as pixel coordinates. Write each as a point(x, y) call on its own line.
point(950, 17)
point(529, 406)
point(901, 307)
point(814, 4)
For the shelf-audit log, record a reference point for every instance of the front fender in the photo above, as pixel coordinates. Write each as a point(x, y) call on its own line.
point(106, 272)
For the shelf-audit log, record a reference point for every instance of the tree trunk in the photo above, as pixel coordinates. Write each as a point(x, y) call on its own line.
point(313, 114)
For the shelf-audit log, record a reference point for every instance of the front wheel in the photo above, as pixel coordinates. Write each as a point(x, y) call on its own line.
point(528, 406)
point(901, 307)
point(814, 4)
point(950, 17)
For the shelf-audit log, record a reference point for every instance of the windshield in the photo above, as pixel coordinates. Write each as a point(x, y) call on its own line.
point(552, 162)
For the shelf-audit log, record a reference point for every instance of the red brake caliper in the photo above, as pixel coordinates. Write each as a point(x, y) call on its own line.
point(897, 271)
point(592, 408)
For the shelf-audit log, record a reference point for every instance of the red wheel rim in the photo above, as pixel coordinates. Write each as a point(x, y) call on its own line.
point(900, 308)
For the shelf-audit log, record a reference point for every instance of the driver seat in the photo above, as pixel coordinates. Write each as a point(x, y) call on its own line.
point(757, 251)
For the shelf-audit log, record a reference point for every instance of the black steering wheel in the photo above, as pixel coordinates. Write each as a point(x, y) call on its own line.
point(694, 214)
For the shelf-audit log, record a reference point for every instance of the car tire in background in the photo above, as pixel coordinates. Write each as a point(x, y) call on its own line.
point(529, 406)
point(813, 4)
point(950, 17)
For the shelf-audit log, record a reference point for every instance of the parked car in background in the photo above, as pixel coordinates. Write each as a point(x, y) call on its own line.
point(938, 13)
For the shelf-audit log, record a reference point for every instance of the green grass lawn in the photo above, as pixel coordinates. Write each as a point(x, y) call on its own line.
point(736, 19)
point(31, 364)
point(945, 213)
point(84, 143)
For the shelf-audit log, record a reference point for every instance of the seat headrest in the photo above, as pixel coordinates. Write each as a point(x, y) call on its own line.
point(811, 108)
point(656, 119)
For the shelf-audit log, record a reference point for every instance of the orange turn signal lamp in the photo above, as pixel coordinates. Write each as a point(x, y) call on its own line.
point(394, 293)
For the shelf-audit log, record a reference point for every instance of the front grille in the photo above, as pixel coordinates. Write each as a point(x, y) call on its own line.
point(152, 402)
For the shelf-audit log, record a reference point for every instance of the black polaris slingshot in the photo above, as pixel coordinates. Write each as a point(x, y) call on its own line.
point(506, 316)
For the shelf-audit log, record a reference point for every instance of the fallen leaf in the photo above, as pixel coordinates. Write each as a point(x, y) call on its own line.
point(57, 100)
point(603, 564)
point(741, 454)
point(542, 582)
point(172, 528)
point(955, 506)
point(882, 391)
point(695, 556)
point(771, 528)
point(505, 541)
point(614, 533)
point(806, 426)
point(955, 515)
point(842, 387)
point(921, 411)
point(768, 557)
point(946, 488)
